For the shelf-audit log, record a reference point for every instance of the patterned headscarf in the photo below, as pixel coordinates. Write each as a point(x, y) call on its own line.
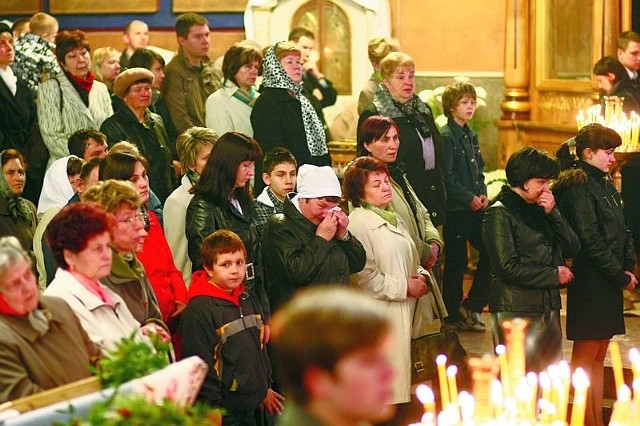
point(275, 76)
point(16, 205)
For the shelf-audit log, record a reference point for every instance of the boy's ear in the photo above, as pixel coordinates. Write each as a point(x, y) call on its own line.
point(317, 382)
point(611, 77)
point(266, 178)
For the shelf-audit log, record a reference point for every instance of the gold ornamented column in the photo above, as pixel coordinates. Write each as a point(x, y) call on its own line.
point(516, 104)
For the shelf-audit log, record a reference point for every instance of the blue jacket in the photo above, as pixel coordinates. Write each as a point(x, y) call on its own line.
point(463, 166)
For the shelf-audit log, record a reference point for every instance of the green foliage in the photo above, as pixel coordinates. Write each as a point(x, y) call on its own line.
point(133, 358)
point(135, 410)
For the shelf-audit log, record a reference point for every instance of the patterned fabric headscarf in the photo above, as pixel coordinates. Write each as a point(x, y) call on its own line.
point(16, 205)
point(275, 76)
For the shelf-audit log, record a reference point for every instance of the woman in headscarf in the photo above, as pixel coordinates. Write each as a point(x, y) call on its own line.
point(421, 145)
point(282, 116)
point(17, 214)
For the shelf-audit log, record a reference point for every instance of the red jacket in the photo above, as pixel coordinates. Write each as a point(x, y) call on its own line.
point(165, 278)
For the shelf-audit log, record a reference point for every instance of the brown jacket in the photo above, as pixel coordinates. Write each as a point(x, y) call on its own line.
point(186, 89)
point(30, 363)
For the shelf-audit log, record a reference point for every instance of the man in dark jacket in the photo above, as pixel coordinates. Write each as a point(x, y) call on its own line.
point(309, 242)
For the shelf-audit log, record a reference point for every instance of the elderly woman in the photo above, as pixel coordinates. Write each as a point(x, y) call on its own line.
point(421, 148)
point(605, 264)
point(527, 240)
point(229, 108)
point(137, 124)
point(194, 147)
point(105, 64)
point(127, 277)
point(17, 215)
point(71, 100)
point(282, 116)
point(80, 238)
point(154, 62)
point(155, 254)
point(379, 137)
point(392, 272)
point(42, 343)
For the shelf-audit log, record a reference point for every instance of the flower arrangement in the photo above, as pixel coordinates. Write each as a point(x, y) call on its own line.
point(433, 98)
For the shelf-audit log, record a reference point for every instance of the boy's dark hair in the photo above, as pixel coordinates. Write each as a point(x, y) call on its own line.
point(77, 142)
point(298, 32)
point(74, 166)
point(188, 20)
point(626, 37)
point(88, 167)
point(610, 65)
point(453, 93)
point(277, 155)
point(220, 242)
point(530, 163)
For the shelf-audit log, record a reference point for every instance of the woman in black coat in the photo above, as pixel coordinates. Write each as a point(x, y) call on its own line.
point(421, 146)
point(527, 241)
point(605, 264)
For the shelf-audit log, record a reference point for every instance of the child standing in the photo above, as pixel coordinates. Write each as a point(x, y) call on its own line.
point(223, 325)
point(466, 201)
point(279, 174)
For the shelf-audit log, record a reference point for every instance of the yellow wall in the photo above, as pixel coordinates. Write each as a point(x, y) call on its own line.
point(453, 35)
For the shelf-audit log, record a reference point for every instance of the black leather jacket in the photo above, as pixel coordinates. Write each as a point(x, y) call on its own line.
point(295, 257)
point(524, 261)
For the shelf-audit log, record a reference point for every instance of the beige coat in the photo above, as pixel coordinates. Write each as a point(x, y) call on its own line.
point(391, 259)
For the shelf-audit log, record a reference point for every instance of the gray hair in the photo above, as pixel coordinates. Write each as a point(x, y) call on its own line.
point(11, 252)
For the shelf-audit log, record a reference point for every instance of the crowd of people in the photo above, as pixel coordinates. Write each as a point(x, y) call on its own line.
point(181, 199)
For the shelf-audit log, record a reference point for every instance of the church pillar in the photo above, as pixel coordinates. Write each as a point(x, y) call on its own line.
point(516, 104)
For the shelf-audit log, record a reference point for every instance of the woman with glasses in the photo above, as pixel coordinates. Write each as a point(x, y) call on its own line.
point(155, 255)
point(134, 122)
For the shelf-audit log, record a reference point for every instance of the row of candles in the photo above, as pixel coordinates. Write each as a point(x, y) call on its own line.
point(520, 398)
point(614, 117)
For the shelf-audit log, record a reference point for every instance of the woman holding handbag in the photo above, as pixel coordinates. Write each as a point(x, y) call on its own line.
point(392, 272)
point(527, 240)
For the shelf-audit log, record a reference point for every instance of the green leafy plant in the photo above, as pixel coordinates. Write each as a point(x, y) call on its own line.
point(433, 98)
point(133, 358)
point(135, 410)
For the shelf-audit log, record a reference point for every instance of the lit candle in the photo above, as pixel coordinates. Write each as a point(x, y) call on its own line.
point(467, 408)
point(636, 395)
point(532, 381)
point(565, 376)
point(441, 363)
point(452, 370)
point(496, 398)
point(501, 350)
point(545, 386)
point(616, 363)
point(427, 398)
point(621, 413)
point(634, 357)
point(580, 386)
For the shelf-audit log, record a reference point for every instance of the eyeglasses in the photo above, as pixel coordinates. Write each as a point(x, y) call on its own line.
point(132, 219)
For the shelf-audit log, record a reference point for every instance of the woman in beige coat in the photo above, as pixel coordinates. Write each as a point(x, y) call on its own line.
point(392, 272)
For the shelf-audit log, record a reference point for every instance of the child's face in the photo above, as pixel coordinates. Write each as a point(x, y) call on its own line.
point(228, 270)
point(281, 180)
point(465, 109)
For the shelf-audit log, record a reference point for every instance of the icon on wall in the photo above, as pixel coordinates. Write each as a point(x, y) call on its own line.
point(72, 7)
point(20, 7)
point(203, 6)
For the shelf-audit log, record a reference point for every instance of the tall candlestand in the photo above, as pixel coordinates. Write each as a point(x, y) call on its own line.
point(483, 372)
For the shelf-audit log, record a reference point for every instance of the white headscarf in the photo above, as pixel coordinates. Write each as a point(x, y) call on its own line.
point(56, 188)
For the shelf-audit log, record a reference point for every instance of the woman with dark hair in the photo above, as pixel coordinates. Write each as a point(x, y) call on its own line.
point(80, 238)
point(71, 100)
point(528, 240)
point(392, 272)
point(154, 62)
point(222, 200)
point(283, 116)
point(17, 214)
point(378, 137)
point(229, 108)
point(604, 266)
point(42, 343)
point(421, 149)
point(135, 123)
point(155, 255)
